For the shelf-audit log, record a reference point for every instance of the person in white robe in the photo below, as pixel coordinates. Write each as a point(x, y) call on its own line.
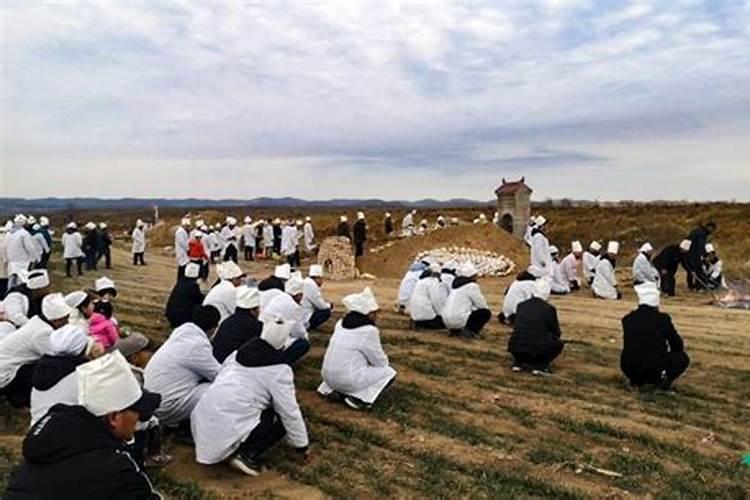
point(251, 406)
point(558, 284)
point(529, 229)
point(286, 306)
point(309, 234)
point(466, 311)
point(407, 224)
point(248, 239)
point(428, 300)
point(274, 285)
point(643, 270)
point(224, 296)
point(184, 366)
point(4, 228)
point(540, 261)
point(182, 246)
point(316, 309)
point(22, 349)
point(590, 261)
point(518, 291)
point(409, 281)
point(447, 275)
point(20, 250)
point(605, 281)
point(139, 243)
point(40, 241)
point(23, 302)
point(72, 243)
point(713, 269)
point(355, 367)
point(569, 266)
point(289, 244)
point(268, 239)
point(230, 236)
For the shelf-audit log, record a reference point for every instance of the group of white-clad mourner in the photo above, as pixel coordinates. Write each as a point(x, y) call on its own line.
point(224, 378)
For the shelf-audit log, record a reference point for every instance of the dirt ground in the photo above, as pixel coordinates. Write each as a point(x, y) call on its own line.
point(459, 423)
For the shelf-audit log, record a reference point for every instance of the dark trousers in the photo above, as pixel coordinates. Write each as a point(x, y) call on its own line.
point(506, 320)
point(359, 248)
point(667, 282)
point(203, 274)
point(540, 359)
point(319, 316)
point(249, 253)
point(90, 260)
point(230, 253)
point(267, 433)
point(295, 351)
point(44, 262)
point(3, 287)
point(18, 392)
point(574, 286)
point(477, 320)
point(294, 259)
point(69, 266)
point(180, 272)
point(430, 324)
point(107, 254)
point(674, 365)
point(138, 259)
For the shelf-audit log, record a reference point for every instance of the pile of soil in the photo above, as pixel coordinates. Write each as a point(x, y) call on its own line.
point(392, 262)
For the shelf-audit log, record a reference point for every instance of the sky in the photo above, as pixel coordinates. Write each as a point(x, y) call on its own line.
point(356, 99)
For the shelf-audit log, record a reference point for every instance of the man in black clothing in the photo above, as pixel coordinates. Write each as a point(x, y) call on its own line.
point(667, 262)
point(360, 235)
point(388, 223)
point(698, 237)
point(535, 341)
point(653, 351)
point(77, 452)
point(240, 327)
point(277, 280)
point(343, 227)
point(90, 242)
point(185, 296)
point(277, 230)
point(104, 243)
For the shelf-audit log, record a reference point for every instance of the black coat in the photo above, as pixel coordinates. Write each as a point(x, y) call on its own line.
point(699, 237)
point(343, 230)
point(185, 296)
point(536, 329)
point(360, 231)
point(388, 225)
point(233, 332)
point(70, 455)
point(648, 336)
point(271, 283)
point(90, 239)
point(669, 259)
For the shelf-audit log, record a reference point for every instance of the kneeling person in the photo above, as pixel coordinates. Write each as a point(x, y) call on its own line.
point(428, 300)
point(240, 327)
point(316, 310)
point(466, 310)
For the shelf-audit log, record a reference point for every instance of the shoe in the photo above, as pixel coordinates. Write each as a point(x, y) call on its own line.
point(468, 334)
point(517, 368)
point(454, 333)
point(157, 461)
point(541, 372)
point(246, 465)
point(356, 404)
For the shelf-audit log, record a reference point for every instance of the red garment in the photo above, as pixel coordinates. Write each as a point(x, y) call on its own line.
point(196, 250)
point(103, 330)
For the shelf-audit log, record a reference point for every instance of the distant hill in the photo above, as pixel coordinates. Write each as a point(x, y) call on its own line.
point(10, 205)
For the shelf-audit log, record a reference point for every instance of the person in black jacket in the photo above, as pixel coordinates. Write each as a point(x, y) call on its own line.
point(277, 230)
point(343, 228)
point(90, 245)
point(653, 351)
point(277, 280)
point(77, 452)
point(388, 223)
point(667, 262)
point(185, 296)
point(240, 327)
point(699, 237)
point(104, 243)
point(535, 341)
point(360, 235)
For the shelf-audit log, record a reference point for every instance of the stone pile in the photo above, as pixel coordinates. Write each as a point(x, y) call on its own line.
point(337, 258)
point(487, 263)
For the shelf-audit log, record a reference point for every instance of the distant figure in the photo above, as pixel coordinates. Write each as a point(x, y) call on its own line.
point(388, 225)
point(653, 351)
point(139, 244)
point(540, 260)
point(198, 254)
point(105, 248)
point(343, 229)
point(569, 266)
point(667, 262)
point(248, 239)
point(47, 235)
point(591, 261)
point(72, 243)
point(90, 244)
point(230, 234)
point(360, 235)
point(182, 246)
point(407, 224)
point(309, 236)
point(605, 281)
point(277, 230)
point(643, 270)
point(699, 237)
point(535, 341)
point(559, 283)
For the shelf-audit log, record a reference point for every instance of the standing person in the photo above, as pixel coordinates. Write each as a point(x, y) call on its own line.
point(643, 270)
point(251, 406)
point(466, 310)
point(540, 258)
point(72, 243)
point(667, 262)
point(185, 297)
point(428, 300)
point(43, 247)
point(309, 234)
point(407, 224)
point(258, 229)
point(3, 261)
point(699, 237)
point(20, 251)
point(529, 230)
point(139, 243)
point(316, 310)
point(106, 244)
point(355, 367)
point(653, 351)
point(269, 239)
point(535, 341)
point(47, 235)
point(605, 281)
point(277, 229)
point(240, 327)
point(231, 235)
point(90, 241)
point(343, 230)
point(569, 266)
point(591, 261)
point(82, 451)
point(182, 246)
point(197, 253)
point(559, 284)
point(388, 225)
point(289, 241)
point(248, 239)
point(360, 235)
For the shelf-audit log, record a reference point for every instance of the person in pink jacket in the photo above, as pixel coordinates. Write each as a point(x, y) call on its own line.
point(103, 330)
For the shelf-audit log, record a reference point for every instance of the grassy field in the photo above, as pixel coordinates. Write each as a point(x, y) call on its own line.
point(459, 423)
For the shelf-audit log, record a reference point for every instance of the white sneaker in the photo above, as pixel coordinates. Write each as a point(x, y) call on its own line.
point(245, 465)
point(517, 368)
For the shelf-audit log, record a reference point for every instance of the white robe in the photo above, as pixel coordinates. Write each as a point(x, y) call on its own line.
point(446, 281)
point(517, 293)
point(461, 303)
point(229, 236)
point(223, 297)
point(230, 409)
point(644, 271)
point(23, 346)
point(355, 364)
point(428, 300)
point(139, 240)
point(283, 306)
point(569, 266)
point(181, 246)
point(268, 236)
point(559, 283)
point(72, 245)
point(21, 251)
point(41, 243)
point(3, 257)
point(309, 234)
point(312, 300)
point(16, 307)
point(248, 234)
point(266, 296)
point(540, 258)
point(181, 371)
point(590, 262)
point(64, 392)
point(289, 240)
point(605, 281)
point(406, 288)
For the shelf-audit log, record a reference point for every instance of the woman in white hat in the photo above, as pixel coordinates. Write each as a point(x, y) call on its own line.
point(605, 281)
point(643, 270)
point(72, 243)
point(355, 366)
point(466, 311)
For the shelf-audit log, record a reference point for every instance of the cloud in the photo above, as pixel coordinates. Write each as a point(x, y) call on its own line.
point(360, 88)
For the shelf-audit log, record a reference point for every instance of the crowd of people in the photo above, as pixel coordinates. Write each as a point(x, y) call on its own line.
point(223, 380)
